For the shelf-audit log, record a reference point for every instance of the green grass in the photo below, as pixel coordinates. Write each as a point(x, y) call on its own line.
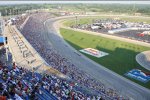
point(136, 19)
point(88, 20)
point(121, 58)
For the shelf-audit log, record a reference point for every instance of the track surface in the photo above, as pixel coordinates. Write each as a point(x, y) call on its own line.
point(144, 59)
point(99, 72)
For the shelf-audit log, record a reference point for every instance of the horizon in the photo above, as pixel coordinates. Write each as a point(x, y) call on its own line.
point(72, 2)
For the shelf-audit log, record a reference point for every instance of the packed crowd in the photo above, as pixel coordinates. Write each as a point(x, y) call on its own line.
point(33, 31)
point(20, 20)
point(17, 83)
point(119, 28)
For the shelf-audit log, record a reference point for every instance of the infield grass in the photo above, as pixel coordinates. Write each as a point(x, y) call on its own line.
point(121, 58)
point(89, 20)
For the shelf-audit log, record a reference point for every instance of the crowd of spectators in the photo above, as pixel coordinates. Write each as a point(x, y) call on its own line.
point(20, 20)
point(127, 29)
point(33, 30)
point(18, 83)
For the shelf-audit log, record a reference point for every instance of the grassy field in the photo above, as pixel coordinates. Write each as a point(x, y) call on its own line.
point(88, 20)
point(136, 19)
point(121, 58)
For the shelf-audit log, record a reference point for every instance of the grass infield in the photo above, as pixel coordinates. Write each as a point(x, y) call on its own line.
point(89, 20)
point(121, 58)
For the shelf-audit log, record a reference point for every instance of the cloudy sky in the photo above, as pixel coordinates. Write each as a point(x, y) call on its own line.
point(74, 1)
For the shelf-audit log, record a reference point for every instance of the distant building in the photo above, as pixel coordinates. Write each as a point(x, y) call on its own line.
point(137, 14)
point(62, 13)
point(90, 13)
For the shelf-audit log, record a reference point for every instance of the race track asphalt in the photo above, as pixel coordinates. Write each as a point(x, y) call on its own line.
point(99, 72)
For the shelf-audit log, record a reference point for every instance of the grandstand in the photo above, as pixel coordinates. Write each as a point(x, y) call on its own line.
point(22, 82)
point(51, 55)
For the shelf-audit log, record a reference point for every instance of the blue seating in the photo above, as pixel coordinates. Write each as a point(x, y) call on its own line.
point(41, 97)
point(48, 95)
point(1, 80)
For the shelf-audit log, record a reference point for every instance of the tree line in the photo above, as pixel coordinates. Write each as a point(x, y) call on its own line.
point(7, 10)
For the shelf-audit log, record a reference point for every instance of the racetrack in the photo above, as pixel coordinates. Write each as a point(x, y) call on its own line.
point(109, 78)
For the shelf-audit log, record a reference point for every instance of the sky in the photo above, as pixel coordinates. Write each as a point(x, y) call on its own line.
point(75, 1)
